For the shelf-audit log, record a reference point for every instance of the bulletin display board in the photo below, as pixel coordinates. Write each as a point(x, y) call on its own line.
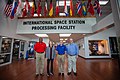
point(98, 48)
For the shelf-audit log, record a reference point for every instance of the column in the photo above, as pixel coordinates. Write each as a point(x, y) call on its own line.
point(115, 5)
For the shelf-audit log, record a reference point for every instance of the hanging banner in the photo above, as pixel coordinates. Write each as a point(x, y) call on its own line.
point(55, 25)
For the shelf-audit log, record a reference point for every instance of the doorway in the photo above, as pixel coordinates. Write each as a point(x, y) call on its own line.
point(16, 46)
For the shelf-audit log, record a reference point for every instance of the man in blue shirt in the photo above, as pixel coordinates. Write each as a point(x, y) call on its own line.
point(72, 51)
point(61, 50)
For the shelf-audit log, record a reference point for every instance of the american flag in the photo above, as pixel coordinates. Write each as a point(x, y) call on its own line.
point(8, 8)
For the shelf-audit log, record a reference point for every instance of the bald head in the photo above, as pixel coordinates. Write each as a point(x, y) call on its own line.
point(71, 40)
point(40, 39)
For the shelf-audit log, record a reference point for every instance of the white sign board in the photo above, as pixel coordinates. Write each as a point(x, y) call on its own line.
point(55, 25)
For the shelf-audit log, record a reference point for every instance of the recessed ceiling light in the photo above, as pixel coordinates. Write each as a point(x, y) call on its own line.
point(4, 37)
point(41, 35)
point(64, 35)
point(103, 2)
point(62, 14)
point(66, 39)
point(17, 40)
point(61, 38)
point(84, 34)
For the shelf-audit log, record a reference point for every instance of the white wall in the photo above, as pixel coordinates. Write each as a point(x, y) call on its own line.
point(116, 15)
point(104, 35)
point(108, 20)
point(7, 26)
point(81, 43)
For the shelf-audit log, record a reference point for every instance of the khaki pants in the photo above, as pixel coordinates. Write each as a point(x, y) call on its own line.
point(71, 63)
point(61, 61)
point(39, 63)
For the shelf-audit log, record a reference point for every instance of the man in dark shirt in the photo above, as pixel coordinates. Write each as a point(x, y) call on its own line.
point(61, 50)
point(40, 48)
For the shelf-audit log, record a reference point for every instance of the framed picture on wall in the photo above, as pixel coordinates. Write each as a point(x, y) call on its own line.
point(98, 48)
point(6, 45)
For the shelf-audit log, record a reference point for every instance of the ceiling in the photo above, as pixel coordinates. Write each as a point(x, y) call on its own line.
point(55, 36)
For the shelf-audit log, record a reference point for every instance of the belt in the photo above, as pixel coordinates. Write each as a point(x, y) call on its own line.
point(72, 55)
point(60, 54)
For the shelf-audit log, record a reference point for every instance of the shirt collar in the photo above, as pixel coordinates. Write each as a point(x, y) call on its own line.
point(40, 42)
point(71, 43)
point(60, 45)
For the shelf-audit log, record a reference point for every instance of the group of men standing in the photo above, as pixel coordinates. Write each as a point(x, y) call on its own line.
point(61, 50)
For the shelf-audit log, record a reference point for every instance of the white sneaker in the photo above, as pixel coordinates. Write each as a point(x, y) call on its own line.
point(48, 75)
point(51, 74)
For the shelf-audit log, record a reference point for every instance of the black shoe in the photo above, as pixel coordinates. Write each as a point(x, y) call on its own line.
point(36, 75)
point(62, 74)
point(51, 73)
point(68, 73)
point(42, 74)
point(48, 75)
point(75, 74)
point(59, 74)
